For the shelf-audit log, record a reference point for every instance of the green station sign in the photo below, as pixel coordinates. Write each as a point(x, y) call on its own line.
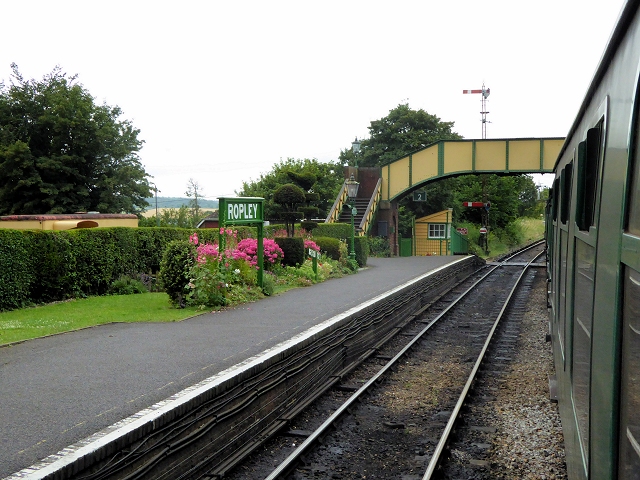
point(243, 211)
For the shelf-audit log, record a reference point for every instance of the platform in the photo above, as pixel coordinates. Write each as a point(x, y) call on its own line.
point(59, 390)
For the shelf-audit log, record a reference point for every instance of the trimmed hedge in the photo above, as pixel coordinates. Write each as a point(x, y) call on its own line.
point(293, 249)
point(46, 266)
point(361, 246)
point(335, 230)
point(17, 270)
point(329, 246)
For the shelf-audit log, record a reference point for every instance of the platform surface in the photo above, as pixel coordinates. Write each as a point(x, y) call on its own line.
point(61, 389)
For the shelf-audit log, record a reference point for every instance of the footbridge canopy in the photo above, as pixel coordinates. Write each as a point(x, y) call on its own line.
point(449, 158)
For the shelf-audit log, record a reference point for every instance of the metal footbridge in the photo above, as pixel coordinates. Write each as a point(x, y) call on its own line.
point(446, 158)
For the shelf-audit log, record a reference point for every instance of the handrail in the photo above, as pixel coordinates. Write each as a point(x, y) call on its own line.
point(334, 213)
point(365, 223)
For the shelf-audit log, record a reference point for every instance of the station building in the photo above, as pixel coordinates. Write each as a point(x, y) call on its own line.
point(68, 221)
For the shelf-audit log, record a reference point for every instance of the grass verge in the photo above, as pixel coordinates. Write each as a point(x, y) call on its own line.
point(40, 321)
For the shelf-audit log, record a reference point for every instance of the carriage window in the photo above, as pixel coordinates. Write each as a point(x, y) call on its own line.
point(629, 457)
point(588, 168)
point(633, 218)
point(565, 200)
point(554, 199)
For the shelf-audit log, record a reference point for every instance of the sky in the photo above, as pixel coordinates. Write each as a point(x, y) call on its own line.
point(222, 90)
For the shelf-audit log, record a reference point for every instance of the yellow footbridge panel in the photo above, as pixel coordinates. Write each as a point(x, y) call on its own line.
point(463, 157)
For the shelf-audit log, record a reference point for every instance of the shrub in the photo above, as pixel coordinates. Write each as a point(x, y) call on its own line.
point(177, 260)
point(329, 246)
point(208, 283)
point(268, 284)
point(126, 285)
point(271, 255)
point(293, 249)
point(361, 246)
point(379, 247)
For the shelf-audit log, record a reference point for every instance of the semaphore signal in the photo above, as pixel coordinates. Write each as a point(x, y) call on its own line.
point(485, 93)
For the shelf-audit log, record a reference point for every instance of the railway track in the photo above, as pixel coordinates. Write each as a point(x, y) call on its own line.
point(394, 416)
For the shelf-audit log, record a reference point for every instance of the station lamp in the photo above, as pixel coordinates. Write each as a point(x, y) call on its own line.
point(355, 148)
point(352, 193)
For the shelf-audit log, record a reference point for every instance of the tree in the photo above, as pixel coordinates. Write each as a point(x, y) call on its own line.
point(61, 153)
point(328, 176)
point(194, 190)
point(398, 134)
point(289, 197)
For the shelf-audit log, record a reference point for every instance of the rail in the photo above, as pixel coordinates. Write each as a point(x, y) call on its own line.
point(334, 213)
point(444, 439)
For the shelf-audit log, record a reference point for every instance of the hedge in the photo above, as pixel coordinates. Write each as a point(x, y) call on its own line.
point(329, 246)
point(293, 249)
point(46, 266)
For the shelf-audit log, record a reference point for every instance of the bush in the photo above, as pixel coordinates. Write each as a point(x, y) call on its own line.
point(308, 225)
point(268, 284)
point(177, 260)
point(379, 247)
point(361, 246)
point(329, 246)
point(293, 248)
point(511, 234)
point(127, 286)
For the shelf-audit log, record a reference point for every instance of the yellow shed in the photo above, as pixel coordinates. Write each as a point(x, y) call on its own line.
point(68, 221)
point(432, 234)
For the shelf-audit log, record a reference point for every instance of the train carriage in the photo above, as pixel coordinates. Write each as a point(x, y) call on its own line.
point(593, 249)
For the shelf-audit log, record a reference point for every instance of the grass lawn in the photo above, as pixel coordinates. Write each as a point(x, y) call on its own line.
point(18, 325)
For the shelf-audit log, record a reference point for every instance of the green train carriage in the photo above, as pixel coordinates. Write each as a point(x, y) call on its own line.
point(593, 253)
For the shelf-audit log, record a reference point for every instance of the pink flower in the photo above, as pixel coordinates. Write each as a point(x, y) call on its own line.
point(310, 244)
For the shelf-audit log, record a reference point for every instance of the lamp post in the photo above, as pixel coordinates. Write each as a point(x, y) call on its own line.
point(352, 193)
point(355, 148)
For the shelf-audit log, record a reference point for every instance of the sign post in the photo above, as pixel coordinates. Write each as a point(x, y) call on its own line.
point(314, 258)
point(243, 211)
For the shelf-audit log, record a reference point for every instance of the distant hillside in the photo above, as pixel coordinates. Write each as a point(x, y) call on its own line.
point(177, 202)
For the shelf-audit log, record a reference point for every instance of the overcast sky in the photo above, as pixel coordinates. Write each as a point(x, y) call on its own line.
point(222, 90)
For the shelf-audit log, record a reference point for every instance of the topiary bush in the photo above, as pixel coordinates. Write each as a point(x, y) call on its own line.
point(177, 260)
point(293, 249)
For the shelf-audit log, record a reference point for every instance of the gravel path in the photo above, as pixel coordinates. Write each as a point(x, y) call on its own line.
point(531, 442)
